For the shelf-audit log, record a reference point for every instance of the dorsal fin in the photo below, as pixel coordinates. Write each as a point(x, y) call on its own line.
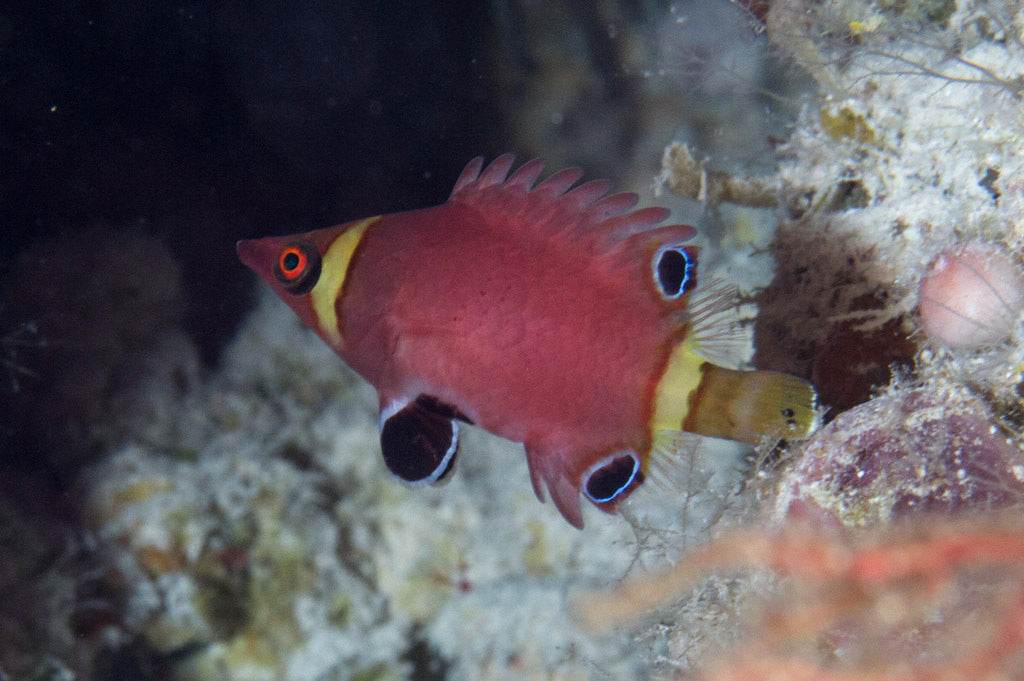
point(587, 214)
point(559, 183)
point(469, 174)
point(496, 172)
point(526, 175)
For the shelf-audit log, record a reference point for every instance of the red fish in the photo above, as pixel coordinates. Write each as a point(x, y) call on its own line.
point(554, 316)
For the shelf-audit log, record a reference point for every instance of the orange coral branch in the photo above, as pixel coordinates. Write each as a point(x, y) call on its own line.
point(841, 584)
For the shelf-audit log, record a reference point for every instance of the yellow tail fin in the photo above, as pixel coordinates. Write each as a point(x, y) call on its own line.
point(747, 405)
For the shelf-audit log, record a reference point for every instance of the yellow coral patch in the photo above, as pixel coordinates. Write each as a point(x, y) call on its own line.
point(846, 124)
point(869, 26)
point(140, 491)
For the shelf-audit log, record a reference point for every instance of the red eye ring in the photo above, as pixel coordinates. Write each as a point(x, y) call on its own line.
point(292, 263)
point(298, 267)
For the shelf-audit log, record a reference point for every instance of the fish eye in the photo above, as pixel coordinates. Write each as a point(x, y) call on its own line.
point(298, 267)
point(675, 270)
point(612, 477)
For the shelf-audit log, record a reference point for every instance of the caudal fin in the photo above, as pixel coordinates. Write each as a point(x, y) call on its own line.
point(747, 405)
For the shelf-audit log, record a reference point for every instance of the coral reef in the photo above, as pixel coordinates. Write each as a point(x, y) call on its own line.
point(971, 296)
point(229, 558)
point(101, 307)
point(907, 154)
point(269, 542)
point(931, 599)
point(928, 450)
point(899, 218)
point(239, 524)
point(907, 162)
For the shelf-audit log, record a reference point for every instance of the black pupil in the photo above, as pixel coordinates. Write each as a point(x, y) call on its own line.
point(291, 261)
point(672, 271)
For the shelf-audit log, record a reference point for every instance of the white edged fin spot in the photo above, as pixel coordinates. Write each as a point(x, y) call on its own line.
point(611, 477)
point(390, 410)
point(674, 268)
point(419, 439)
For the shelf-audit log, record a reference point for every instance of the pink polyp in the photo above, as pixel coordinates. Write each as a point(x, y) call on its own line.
point(971, 296)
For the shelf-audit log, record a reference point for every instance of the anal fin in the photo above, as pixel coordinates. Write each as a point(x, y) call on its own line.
point(546, 469)
point(747, 405)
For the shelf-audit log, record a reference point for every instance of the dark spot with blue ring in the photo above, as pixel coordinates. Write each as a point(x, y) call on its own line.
point(676, 272)
point(612, 479)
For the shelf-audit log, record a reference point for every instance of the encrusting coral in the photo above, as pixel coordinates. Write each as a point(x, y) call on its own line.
point(911, 149)
point(905, 166)
point(270, 543)
point(931, 599)
point(911, 451)
point(246, 529)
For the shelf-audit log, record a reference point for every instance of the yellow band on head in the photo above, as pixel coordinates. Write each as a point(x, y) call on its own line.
point(681, 377)
point(334, 269)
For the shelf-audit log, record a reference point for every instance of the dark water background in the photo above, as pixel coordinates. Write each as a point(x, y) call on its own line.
point(206, 122)
point(142, 139)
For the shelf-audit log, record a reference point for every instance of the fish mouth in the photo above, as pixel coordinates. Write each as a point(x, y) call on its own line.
point(253, 254)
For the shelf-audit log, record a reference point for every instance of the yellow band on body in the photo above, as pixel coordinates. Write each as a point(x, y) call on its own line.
point(334, 269)
point(681, 377)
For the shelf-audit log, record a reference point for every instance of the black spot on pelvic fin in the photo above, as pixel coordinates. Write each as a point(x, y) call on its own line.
point(444, 409)
point(420, 439)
